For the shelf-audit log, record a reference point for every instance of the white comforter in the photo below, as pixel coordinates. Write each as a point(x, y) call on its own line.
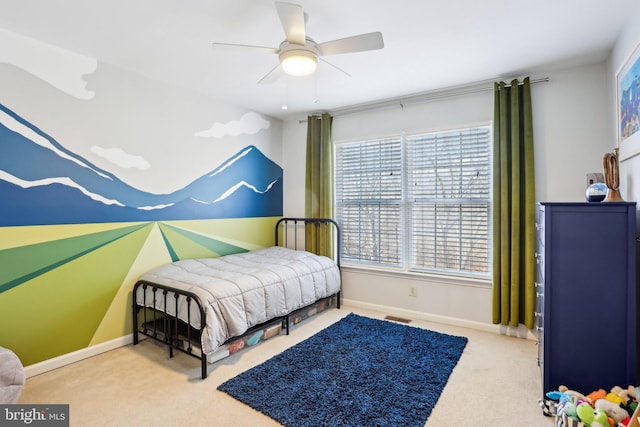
point(242, 290)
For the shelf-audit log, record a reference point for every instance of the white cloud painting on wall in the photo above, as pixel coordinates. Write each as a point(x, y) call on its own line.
point(250, 123)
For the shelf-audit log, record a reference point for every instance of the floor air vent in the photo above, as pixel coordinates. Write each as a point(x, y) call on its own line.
point(397, 319)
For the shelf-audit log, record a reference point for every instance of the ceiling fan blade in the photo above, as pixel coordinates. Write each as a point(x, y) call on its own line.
point(272, 76)
point(245, 47)
point(335, 66)
point(292, 19)
point(363, 42)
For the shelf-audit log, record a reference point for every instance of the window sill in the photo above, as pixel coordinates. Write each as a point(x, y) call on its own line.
point(431, 277)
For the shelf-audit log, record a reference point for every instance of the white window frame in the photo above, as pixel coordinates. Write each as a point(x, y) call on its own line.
point(405, 249)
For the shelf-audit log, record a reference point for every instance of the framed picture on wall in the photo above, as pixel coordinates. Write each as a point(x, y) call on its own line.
point(628, 105)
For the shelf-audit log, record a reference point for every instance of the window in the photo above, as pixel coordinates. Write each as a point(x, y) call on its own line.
point(417, 203)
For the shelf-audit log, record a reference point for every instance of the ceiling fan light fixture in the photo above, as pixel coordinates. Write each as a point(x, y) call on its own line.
point(298, 62)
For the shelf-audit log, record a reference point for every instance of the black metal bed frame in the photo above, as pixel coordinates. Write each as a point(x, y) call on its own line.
point(160, 326)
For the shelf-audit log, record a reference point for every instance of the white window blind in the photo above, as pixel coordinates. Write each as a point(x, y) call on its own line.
point(418, 203)
point(449, 177)
point(368, 200)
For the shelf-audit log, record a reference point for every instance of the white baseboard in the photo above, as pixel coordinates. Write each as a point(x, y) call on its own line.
point(520, 332)
point(76, 356)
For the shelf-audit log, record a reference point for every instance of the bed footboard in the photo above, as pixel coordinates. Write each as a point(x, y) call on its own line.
point(152, 318)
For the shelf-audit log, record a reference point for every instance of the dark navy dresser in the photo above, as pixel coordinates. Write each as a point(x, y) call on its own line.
point(587, 297)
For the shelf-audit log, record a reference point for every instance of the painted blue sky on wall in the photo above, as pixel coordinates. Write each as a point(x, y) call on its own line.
point(42, 183)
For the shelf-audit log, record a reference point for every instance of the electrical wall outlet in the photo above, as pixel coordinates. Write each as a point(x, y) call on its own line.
point(413, 291)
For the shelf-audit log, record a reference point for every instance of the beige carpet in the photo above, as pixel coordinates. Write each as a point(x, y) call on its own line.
point(496, 383)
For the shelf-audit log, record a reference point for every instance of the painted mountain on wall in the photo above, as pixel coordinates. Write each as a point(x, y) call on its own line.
point(43, 183)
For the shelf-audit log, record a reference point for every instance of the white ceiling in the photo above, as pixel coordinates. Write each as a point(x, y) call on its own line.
point(429, 44)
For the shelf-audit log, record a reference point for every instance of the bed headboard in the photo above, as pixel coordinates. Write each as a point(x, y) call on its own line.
point(318, 235)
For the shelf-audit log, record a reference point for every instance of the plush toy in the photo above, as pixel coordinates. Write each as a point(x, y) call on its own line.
point(634, 392)
point(600, 419)
point(595, 395)
point(591, 417)
point(554, 395)
point(616, 389)
point(626, 395)
point(612, 410)
point(569, 409)
point(578, 395)
point(585, 413)
point(612, 397)
point(568, 398)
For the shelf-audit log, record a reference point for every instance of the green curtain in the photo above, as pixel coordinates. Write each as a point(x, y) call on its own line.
point(514, 219)
point(319, 172)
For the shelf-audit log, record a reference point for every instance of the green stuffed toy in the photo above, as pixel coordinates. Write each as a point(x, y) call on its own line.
point(591, 417)
point(600, 419)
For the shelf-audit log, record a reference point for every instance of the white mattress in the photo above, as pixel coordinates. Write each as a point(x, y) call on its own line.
point(242, 290)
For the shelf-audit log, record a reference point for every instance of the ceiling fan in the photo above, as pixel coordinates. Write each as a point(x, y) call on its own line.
point(298, 53)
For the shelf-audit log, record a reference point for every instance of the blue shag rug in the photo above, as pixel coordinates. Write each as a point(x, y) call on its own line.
point(357, 372)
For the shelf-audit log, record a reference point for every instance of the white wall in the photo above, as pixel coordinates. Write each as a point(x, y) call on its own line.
point(294, 137)
point(571, 132)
